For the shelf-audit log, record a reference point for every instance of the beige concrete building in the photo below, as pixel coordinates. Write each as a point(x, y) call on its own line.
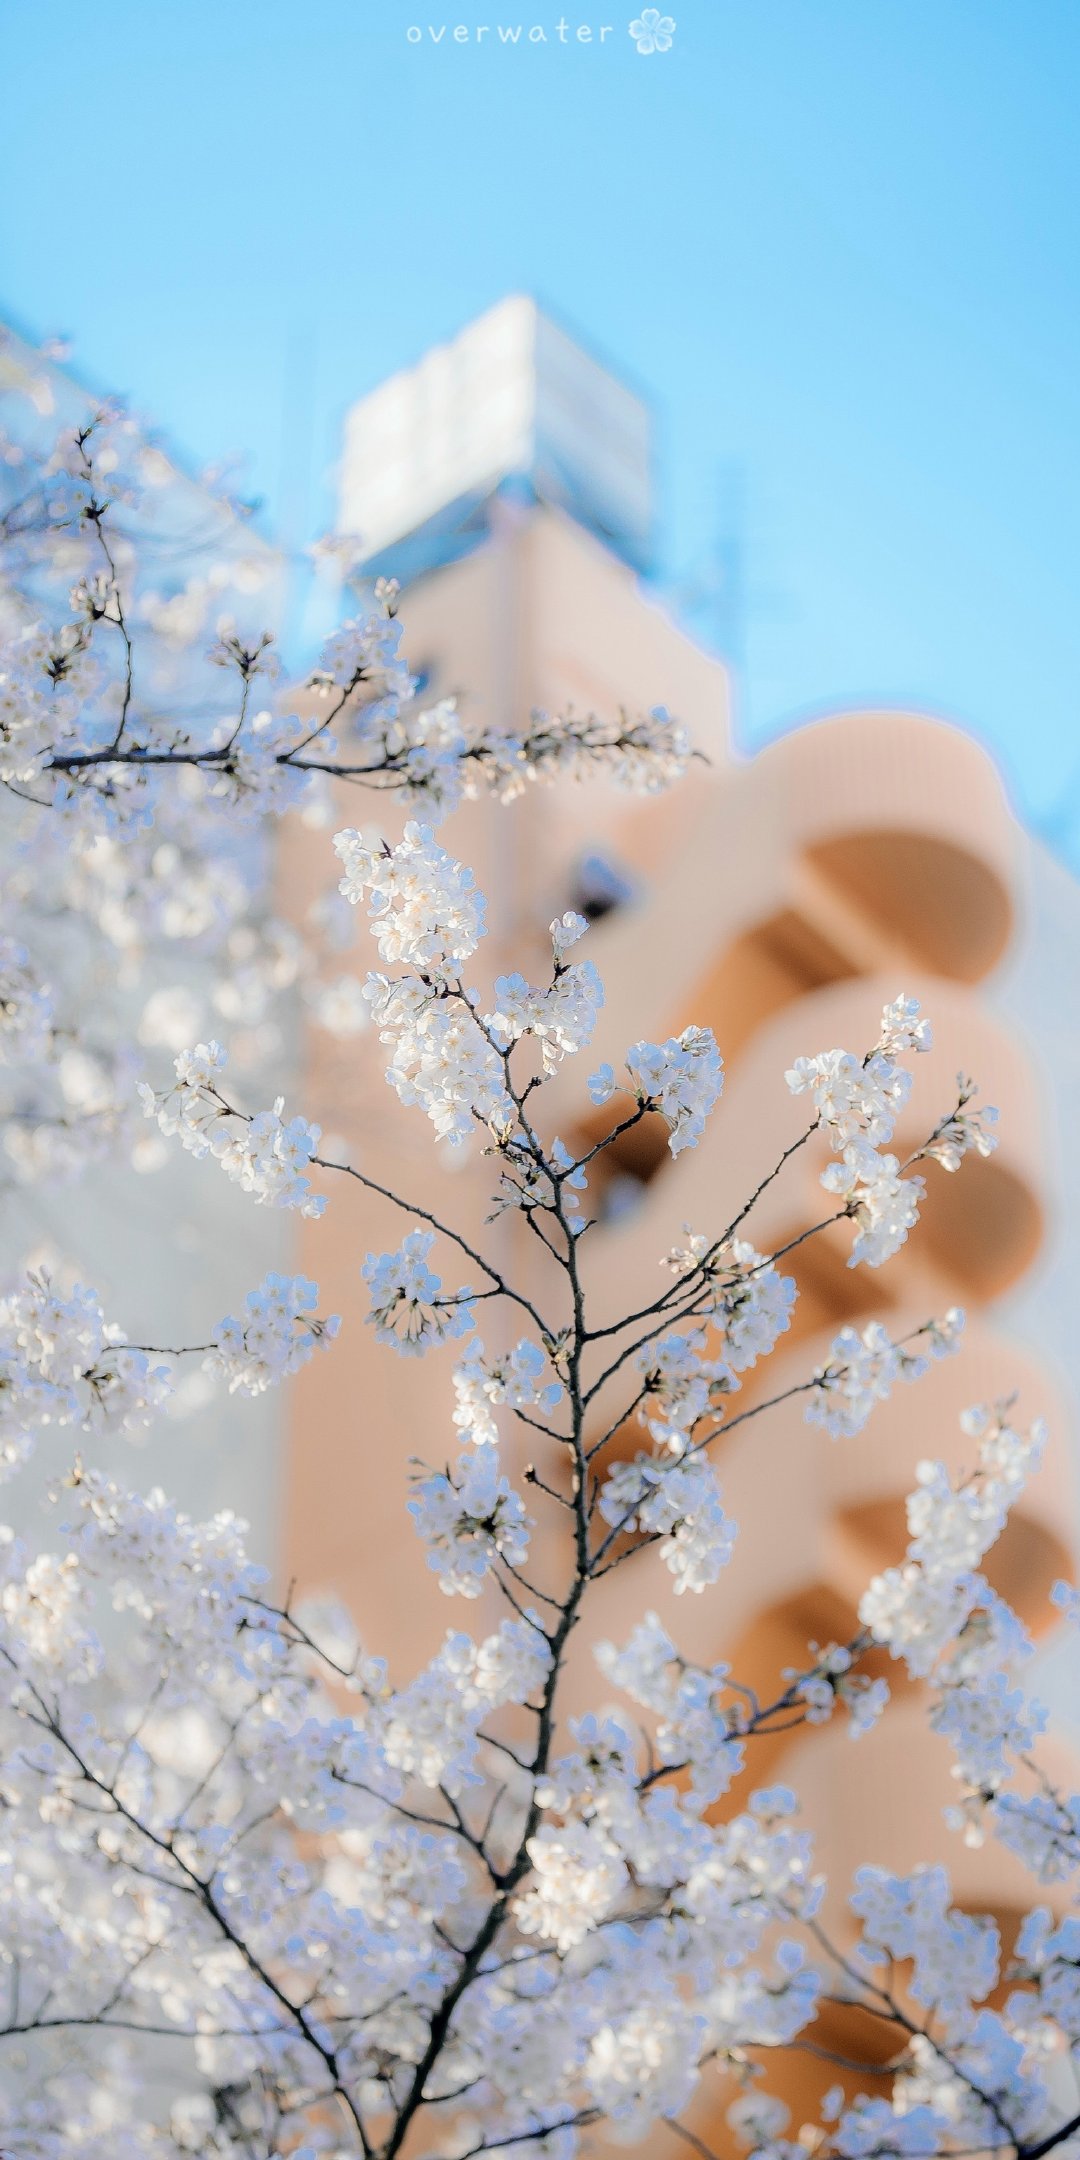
point(781, 901)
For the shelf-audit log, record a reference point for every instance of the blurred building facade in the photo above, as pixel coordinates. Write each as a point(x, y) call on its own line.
point(781, 901)
point(168, 1254)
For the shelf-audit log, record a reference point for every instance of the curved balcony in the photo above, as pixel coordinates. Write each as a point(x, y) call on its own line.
point(864, 841)
point(980, 1228)
point(906, 818)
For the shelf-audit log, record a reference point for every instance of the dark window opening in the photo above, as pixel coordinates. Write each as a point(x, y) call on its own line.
point(600, 887)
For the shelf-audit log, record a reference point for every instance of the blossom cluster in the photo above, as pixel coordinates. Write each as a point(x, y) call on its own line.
point(981, 1707)
point(682, 1079)
point(750, 1302)
point(425, 910)
point(680, 1387)
point(273, 1336)
point(561, 1017)
point(482, 1382)
point(428, 917)
point(129, 601)
point(678, 1503)
point(469, 1518)
point(408, 1309)
point(834, 1678)
point(262, 1154)
point(63, 1363)
point(857, 1102)
point(695, 1729)
point(260, 1893)
point(640, 1924)
point(863, 1369)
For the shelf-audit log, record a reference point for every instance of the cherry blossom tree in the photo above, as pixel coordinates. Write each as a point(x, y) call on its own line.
point(262, 1894)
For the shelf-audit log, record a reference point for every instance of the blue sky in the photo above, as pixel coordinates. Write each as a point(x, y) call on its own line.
point(837, 240)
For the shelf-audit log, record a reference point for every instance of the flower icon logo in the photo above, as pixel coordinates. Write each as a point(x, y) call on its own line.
point(653, 32)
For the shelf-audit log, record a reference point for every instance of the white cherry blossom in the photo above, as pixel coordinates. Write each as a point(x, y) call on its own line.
point(482, 1382)
point(883, 1204)
point(855, 1099)
point(680, 1387)
point(681, 1078)
point(679, 1503)
point(576, 1882)
point(325, 1906)
point(561, 1018)
point(863, 1369)
point(904, 1027)
point(273, 1337)
point(424, 908)
point(408, 1309)
point(63, 1363)
point(469, 1518)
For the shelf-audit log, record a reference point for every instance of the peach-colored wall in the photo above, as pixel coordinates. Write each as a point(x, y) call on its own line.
point(779, 901)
